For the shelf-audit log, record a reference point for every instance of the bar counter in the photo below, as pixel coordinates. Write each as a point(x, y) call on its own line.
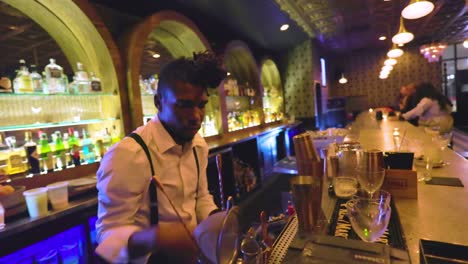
point(440, 213)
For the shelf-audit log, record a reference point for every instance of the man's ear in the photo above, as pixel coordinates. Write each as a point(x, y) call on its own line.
point(157, 102)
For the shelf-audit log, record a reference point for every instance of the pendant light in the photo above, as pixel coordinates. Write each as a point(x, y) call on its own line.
point(403, 36)
point(390, 62)
point(342, 80)
point(417, 9)
point(395, 52)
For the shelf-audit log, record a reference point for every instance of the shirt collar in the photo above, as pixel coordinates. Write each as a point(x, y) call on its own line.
point(164, 140)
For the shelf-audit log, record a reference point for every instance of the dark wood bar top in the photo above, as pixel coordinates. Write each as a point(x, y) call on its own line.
point(239, 136)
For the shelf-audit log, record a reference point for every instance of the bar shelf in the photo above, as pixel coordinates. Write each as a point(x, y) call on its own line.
point(55, 124)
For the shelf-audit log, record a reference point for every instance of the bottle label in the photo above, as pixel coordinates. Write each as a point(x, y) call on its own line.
point(96, 86)
point(16, 161)
point(55, 73)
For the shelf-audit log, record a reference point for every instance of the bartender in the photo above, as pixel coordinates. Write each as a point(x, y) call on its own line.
point(142, 219)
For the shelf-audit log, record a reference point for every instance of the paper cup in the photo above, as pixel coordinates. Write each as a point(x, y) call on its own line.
point(58, 194)
point(36, 200)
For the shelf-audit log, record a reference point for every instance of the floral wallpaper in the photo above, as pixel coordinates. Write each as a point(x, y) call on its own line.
point(299, 81)
point(362, 71)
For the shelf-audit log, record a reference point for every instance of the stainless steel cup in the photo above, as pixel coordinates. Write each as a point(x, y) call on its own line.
point(372, 159)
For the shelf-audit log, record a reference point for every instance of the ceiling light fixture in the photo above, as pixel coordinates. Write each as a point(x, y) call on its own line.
point(284, 27)
point(156, 55)
point(465, 43)
point(382, 38)
point(417, 9)
point(342, 80)
point(394, 52)
point(383, 76)
point(390, 62)
point(433, 51)
point(403, 36)
point(387, 68)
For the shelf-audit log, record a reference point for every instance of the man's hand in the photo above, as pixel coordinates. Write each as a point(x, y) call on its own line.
point(173, 240)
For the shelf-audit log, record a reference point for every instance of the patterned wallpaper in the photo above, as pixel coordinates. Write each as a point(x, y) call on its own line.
point(362, 71)
point(299, 80)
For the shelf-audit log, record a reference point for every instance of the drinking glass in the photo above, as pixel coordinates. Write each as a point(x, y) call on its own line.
point(369, 217)
point(371, 180)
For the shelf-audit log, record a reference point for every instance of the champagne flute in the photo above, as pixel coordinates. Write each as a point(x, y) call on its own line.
point(371, 180)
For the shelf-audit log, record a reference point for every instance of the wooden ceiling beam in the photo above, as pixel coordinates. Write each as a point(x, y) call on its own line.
point(16, 31)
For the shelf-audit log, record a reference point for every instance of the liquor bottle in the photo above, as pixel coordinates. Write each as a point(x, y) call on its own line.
point(115, 137)
point(82, 82)
point(46, 153)
point(88, 148)
point(4, 153)
point(16, 157)
point(36, 79)
point(95, 83)
point(23, 83)
point(59, 151)
point(2, 216)
point(31, 153)
point(54, 78)
point(74, 145)
point(5, 84)
point(107, 140)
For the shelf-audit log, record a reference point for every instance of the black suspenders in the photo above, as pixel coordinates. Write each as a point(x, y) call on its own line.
point(152, 188)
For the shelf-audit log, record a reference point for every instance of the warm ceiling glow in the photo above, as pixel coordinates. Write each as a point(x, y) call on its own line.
point(384, 72)
point(390, 62)
point(156, 55)
point(342, 80)
point(465, 43)
point(228, 73)
point(417, 9)
point(382, 38)
point(403, 36)
point(432, 52)
point(394, 52)
point(383, 77)
point(284, 27)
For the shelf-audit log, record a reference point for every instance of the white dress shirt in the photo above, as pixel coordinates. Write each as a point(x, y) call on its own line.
point(123, 180)
point(430, 114)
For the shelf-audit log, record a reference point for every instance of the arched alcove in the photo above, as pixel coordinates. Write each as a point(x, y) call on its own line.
point(273, 100)
point(170, 35)
point(242, 104)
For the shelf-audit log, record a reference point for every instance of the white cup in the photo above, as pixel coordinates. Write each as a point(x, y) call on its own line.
point(58, 194)
point(36, 200)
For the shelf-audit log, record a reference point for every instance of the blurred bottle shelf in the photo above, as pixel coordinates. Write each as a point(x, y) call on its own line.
point(54, 124)
point(55, 95)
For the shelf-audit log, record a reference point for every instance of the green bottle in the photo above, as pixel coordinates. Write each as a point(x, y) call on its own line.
point(46, 153)
point(74, 145)
point(59, 151)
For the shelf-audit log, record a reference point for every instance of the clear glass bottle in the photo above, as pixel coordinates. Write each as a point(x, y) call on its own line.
point(95, 83)
point(88, 148)
point(36, 79)
point(4, 153)
point(31, 153)
point(54, 78)
point(23, 83)
point(82, 82)
point(2, 216)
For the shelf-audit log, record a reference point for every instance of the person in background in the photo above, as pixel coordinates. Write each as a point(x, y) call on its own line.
point(127, 231)
point(433, 108)
point(408, 101)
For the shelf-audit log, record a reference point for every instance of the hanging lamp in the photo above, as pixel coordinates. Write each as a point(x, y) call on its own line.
point(390, 62)
point(395, 52)
point(417, 9)
point(342, 80)
point(403, 36)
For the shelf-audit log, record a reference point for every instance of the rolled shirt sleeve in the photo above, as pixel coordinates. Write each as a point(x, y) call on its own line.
point(123, 180)
point(205, 203)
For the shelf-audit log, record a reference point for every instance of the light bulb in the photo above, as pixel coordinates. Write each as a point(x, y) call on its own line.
point(417, 9)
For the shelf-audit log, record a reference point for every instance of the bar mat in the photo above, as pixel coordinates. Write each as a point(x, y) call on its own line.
point(445, 181)
point(341, 227)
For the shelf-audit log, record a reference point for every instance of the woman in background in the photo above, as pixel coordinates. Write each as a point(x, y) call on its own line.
point(433, 108)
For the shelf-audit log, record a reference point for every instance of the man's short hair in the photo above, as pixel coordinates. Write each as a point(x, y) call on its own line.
point(203, 70)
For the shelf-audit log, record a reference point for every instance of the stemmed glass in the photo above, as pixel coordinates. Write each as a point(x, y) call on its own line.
point(370, 179)
point(369, 217)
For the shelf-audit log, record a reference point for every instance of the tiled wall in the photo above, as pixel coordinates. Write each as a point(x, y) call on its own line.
point(299, 74)
point(362, 71)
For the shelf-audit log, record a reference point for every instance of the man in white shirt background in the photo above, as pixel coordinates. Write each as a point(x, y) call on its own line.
point(179, 156)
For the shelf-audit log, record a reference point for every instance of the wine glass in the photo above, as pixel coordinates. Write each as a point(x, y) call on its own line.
point(370, 179)
point(369, 217)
